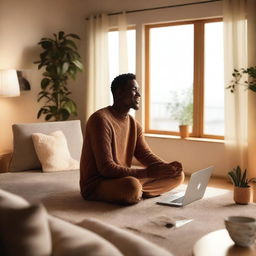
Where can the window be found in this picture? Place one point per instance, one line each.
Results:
(184, 77)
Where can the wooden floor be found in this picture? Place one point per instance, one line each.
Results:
(217, 182)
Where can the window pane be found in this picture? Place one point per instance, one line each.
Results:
(214, 79)
(171, 75)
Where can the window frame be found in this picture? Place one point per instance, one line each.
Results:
(198, 83)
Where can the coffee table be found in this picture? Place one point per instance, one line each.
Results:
(219, 243)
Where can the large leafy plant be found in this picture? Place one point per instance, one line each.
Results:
(61, 61)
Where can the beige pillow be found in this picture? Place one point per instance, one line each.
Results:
(53, 153)
(71, 240)
(129, 244)
(9, 200)
(25, 231)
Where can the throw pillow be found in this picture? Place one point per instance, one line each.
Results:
(71, 240)
(25, 231)
(24, 156)
(53, 153)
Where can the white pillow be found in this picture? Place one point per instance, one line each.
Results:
(53, 153)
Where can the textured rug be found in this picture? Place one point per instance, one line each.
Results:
(60, 194)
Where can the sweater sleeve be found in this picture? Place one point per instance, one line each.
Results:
(100, 134)
(142, 150)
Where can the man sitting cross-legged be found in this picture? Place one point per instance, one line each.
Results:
(112, 138)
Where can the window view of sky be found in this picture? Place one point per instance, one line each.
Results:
(171, 73)
(214, 79)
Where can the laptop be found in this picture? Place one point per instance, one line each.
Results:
(195, 189)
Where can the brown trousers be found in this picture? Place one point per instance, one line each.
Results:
(130, 190)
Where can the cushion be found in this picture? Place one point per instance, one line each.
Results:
(25, 231)
(129, 244)
(53, 153)
(9, 200)
(24, 155)
(69, 240)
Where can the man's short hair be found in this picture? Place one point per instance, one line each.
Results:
(121, 80)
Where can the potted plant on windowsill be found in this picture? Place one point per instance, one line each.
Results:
(242, 189)
(181, 110)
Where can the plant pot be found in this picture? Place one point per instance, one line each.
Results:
(242, 195)
(184, 131)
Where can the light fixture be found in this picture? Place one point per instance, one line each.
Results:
(9, 84)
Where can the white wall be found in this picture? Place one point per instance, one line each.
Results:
(23, 23)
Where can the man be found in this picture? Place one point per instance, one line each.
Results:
(112, 139)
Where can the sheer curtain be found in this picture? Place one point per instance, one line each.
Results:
(251, 18)
(240, 108)
(98, 83)
(235, 54)
(97, 86)
(123, 47)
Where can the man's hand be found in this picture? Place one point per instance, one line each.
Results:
(157, 170)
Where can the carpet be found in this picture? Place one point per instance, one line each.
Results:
(59, 192)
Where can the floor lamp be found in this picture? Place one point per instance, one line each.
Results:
(9, 87)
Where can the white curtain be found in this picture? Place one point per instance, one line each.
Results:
(123, 48)
(251, 18)
(97, 87)
(236, 114)
(98, 83)
(240, 108)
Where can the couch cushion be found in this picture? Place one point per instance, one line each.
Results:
(71, 240)
(9, 200)
(129, 244)
(24, 156)
(53, 153)
(24, 231)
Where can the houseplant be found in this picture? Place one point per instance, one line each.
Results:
(61, 61)
(239, 74)
(242, 189)
(181, 110)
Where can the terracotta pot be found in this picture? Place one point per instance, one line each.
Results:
(242, 195)
(184, 131)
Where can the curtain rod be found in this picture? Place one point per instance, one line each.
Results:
(164, 7)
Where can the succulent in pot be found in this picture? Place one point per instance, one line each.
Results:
(242, 188)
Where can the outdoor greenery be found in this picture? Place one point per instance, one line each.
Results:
(181, 107)
(239, 178)
(237, 76)
(61, 61)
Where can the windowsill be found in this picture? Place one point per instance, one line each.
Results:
(150, 135)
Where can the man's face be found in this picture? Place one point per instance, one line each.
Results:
(130, 96)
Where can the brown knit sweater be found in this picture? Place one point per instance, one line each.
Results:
(110, 143)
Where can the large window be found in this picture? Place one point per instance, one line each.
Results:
(184, 77)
